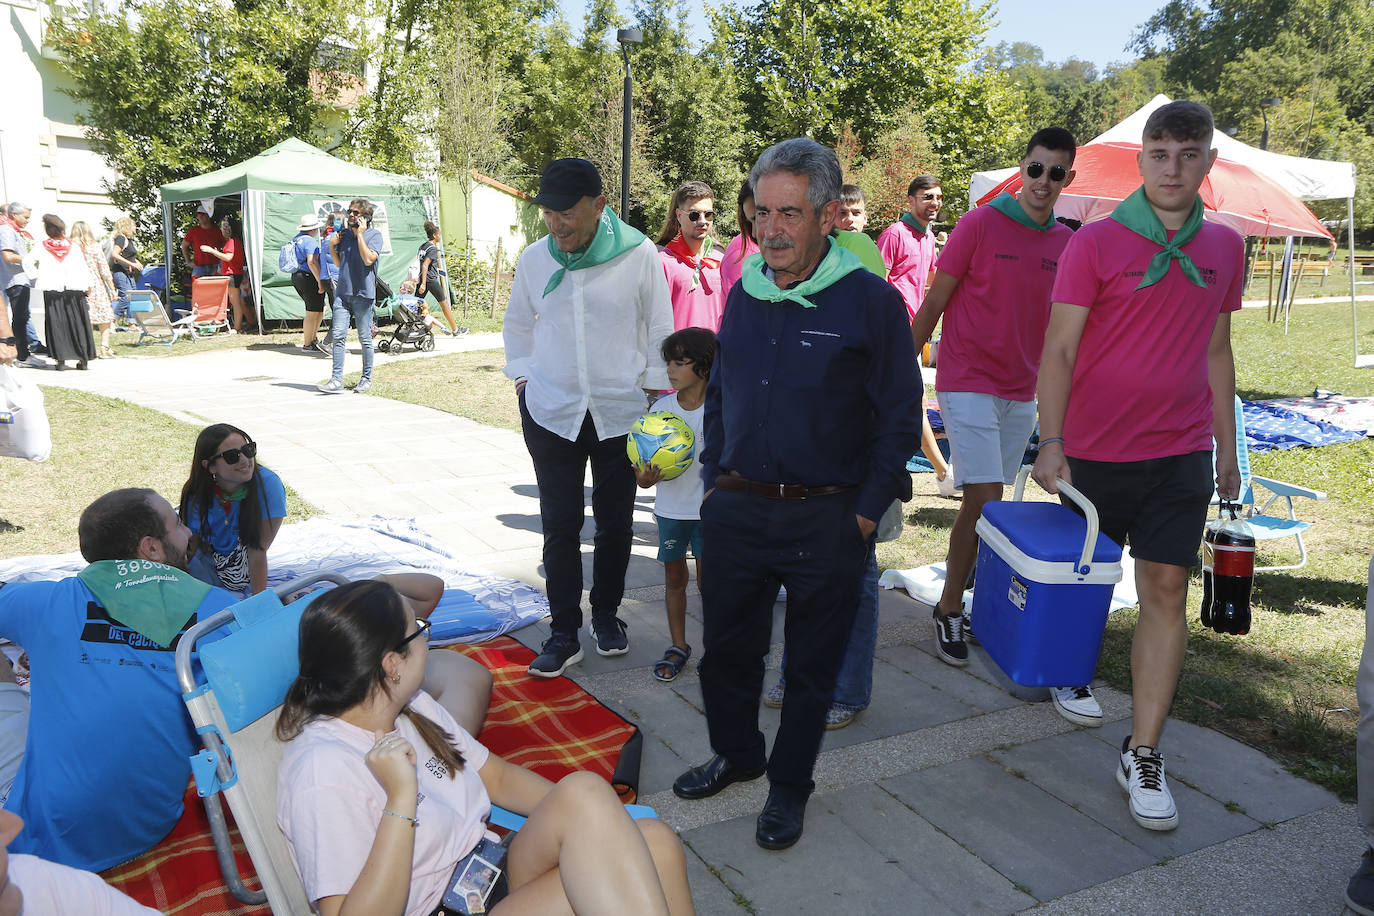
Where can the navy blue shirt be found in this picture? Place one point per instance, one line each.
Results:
(354, 277)
(824, 396)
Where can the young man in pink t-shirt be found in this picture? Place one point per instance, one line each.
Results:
(992, 288)
(908, 246)
(1136, 381)
(689, 261)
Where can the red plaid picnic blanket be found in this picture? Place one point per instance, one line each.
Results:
(552, 726)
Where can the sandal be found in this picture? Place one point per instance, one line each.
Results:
(671, 664)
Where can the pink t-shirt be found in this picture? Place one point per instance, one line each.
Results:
(329, 805)
(698, 301)
(732, 263)
(1140, 387)
(910, 259)
(52, 888)
(994, 324)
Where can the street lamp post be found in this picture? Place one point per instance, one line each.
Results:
(1265, 105)
(626, 37)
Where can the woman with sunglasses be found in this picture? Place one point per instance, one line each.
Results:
(686, 247)
(234, 508)
(383, 797)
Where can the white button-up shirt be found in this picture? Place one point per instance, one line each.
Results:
(593, 343)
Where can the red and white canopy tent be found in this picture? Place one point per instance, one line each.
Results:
(1254, 191)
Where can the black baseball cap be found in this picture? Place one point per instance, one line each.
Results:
(565, 182)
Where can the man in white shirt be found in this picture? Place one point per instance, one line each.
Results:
(588, 313)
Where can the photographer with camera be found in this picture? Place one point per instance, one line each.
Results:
(354, 252)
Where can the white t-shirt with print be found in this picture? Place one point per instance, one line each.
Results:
(681, 496)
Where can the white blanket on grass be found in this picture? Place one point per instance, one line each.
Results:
(356, 549)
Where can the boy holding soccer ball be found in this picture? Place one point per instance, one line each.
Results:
(677, 504)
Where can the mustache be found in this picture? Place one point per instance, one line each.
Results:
(779, 243)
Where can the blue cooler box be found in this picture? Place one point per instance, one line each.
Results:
(1041, 597)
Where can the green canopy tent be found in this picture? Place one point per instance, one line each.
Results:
(280, 185)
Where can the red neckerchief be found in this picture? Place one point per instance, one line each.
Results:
(678, 249)
(58, 248)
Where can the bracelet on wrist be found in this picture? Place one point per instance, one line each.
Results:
(1051, 440)
(9, 340)
(414, 822)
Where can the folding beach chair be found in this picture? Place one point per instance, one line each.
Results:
(209, 307)
(245, 678)
(152, 318)
(1264, 526)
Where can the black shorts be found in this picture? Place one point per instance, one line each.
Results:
(435, 288)
(308, 290)
(1159, 505)
(235, 280)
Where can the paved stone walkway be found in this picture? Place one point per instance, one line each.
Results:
(951, 794)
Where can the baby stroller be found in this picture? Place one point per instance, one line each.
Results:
(411, 327)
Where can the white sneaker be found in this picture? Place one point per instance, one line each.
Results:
(34, 362)
(1078, 705)
(1141, 777)
(946, 486)
(333, 386)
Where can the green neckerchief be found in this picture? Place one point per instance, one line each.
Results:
(1136, 214)
(838, 262)
(149, 598)
(1009, 206)
(911, 221)
(613, 238)
(235, 496)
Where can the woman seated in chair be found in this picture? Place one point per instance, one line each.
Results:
(234, 508)
(373, 830)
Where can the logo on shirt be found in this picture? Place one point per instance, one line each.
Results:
(1209, 275)
(437, 767)
(1006, 257)
(821, 333)
(101, 628)
(1050, 264)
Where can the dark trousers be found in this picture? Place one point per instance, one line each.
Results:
(750, 545)
(19, 317)
(559, 468)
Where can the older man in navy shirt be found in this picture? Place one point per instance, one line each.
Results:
(813, 408)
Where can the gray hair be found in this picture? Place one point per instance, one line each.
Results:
(16, 207)
(803, 156)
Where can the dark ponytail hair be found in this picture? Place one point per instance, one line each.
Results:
(199, 491)
(344, 635)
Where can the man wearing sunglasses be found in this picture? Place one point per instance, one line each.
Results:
(1136, 382)
(908, 245)
(992, 288)
(588, 313)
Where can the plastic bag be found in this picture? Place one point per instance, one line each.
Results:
(24, 430)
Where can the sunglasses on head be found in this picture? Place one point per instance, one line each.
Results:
(421, 629)
(1057, 172)
(698, 215)
(232, 455)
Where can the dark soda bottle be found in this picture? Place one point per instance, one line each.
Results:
(1228, 570)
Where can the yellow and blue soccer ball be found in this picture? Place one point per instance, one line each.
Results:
(663, 440)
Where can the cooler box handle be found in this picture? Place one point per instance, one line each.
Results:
(1089, 513)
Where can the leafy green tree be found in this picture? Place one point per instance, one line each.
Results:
(170, 90)
(890, 162)
(805, 68)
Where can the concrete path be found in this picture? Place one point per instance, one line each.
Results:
(953, 793)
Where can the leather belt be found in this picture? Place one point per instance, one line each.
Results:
(732, 483)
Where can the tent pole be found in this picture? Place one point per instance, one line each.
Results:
(1361, 361)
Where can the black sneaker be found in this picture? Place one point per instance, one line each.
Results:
(555, 655)
(1359, 893)
(609, 633)
(949, 639)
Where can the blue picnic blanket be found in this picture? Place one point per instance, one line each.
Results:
(1269, 427)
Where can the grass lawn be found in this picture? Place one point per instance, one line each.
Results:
(99, 444)
(1288, 687)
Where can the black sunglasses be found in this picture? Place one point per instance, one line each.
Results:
(421, 629)
(1057, 172)
(231, 455)
(698, 215)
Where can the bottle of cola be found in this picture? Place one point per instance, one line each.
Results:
(1228, 570)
